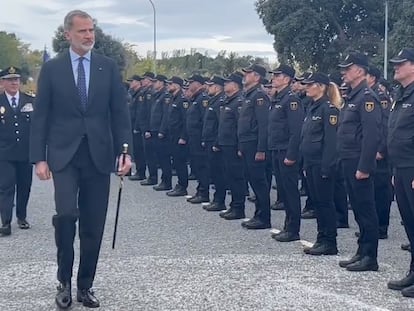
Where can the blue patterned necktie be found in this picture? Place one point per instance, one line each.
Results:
(14, 103)
(81, 83)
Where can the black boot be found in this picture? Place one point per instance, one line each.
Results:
(87, 298)
(407, 281)
(178, 191)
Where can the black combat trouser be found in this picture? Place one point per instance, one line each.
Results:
(404, 193)
(15, 181)
(321, 191)
(340, 196)
(163, 150)
(288, 178)
(361, 193)
(179, 157)
(258, 180)
(198, 156)
(234, 172)
(139, 154)
(152, 156)
(383, 194)
(216, 172)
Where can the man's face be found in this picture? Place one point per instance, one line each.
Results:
(249, 78)
(403, 71)
(279, 81)
(351, 74)
(11, 85)
(135, 85)
(82, 35)
(194, 86)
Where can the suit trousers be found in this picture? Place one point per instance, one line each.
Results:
(139, 154)
(405, 201)
(15, 181)
(81, 193)
(361, 194)
(288, 178)
(258, 180)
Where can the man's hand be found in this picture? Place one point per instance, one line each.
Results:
(203, 144)
(182, 141)
(160, 135)
(124, 166)
(379, 156)
(239, 153)
(147, 135)
(412, 185)
(42, 170)
(260, 156)
(288, 162)
(360, 175)
(215, 149)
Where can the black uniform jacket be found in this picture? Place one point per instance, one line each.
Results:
(15, 128)
(59, 123)
(158, 108)
(285, 123)
(252, 125)
(211, 119)
(229, 116)
(318, 145)
(177, 114)
(359, 128)
(195, 115)
(401, 129)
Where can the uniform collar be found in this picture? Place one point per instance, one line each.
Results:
(282, 93)
(253, 88)
(405, 92)
(362, 85)
(9, 97)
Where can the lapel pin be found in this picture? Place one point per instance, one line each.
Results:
(100, 68)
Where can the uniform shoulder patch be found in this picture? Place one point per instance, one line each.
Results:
(369, 106)
(205, 103)
(260, 101)
(384, 104)
(294, 106)
(333, 119)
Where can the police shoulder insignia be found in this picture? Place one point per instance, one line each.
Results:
(369, 106)
(260, 101)
(384, 104)
(185, 105)
(2, 110)
(333, 119)
(294, 106)
(205, 103)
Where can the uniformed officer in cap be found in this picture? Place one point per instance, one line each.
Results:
(198, 154)
(177, 133)
(285, 123)
(358, 137)
(252, 136)
(135, 90)
(16, 172)
(209, 139)
(382, 177)
(401, 154)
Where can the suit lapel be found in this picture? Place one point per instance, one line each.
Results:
(95, 69)
(68, 78)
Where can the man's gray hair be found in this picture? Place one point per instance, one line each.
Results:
(68, 21)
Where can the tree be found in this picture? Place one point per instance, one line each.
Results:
(10, 54)
(104, 44)
(317, 33)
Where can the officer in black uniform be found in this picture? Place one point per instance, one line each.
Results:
(209, 139)
(252, 136)
(135, 90)
(400, 144)
(177, 133)
(382, 177)
(198, 154)
(285, 124)
(358, 137)
(158, 119)
(142, 124)
(318, 147)
(16, 172)
(228, 145)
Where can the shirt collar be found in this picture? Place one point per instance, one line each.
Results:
(9, 97)
(75, 56)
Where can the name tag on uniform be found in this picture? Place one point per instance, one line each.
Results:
(316, 118)
(194, 103)
(27, 108)
(405, 106)
(174, 105)
(278, 106)
(211, 109)
(351, 105)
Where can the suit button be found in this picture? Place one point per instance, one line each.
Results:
(16, 124)
(15, 116)
(17, 139)
(17, 132)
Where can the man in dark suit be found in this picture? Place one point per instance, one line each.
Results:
(81, 121)
(16, 170)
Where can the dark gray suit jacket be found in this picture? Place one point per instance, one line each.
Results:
(59, 122)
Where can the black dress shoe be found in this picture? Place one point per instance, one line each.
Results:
(286, 236)
(322, 249)
(252, 198)
(136, 177)
(408, 291)
(162, 187)
(234, 214)
(407, 281)
(5, 230)
(149, 182)
(308, 214)
(406, 247)
(278, 206)
(23, 224)
(255, 224)
(223, 213)
(63, 297)
(307, 248)
(177, 192)
(364, 264)
(198, 199)
(215, 207)
(86, 296)
(345, 263)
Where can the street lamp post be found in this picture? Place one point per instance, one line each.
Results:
(386, 41)
(155, 38)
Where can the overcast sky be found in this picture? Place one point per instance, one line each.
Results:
(212, 25)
